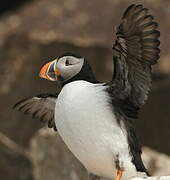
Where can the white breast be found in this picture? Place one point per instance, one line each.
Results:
(87, 125)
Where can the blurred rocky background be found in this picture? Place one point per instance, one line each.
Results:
(33, 32)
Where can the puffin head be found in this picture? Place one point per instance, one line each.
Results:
(66, 68)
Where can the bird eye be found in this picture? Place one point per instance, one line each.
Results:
(67, 62)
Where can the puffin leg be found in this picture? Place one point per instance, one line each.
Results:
(119, 174)
(119, 168)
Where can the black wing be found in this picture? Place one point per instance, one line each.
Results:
(41, 107)
(135, 50)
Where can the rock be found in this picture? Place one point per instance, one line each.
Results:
(157, 163)
(152, 178)
(14, 166)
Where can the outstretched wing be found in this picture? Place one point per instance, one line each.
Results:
(135, 50)
(41, 107)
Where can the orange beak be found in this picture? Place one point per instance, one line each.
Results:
(49, 72)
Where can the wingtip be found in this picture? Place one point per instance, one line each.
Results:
(132, 8)
(128, 9)
(16, 105)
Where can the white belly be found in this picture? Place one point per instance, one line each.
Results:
(85, 122)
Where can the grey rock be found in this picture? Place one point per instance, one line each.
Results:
(13, 165)
(157, 163)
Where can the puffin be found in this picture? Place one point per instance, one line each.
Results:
(96, 119)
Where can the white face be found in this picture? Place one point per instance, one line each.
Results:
(62, 69)
(69, 66)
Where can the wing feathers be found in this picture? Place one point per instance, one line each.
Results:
(136, 48)
(41, 107)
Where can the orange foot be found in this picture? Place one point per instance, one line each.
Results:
(118, 175)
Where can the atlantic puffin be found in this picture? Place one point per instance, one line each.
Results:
(96, 119)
